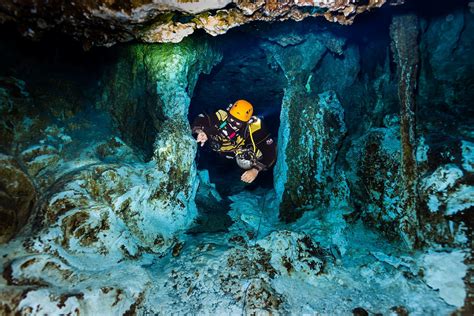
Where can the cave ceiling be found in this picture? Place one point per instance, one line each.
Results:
(107, 22)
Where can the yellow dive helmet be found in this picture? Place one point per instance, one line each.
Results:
(241, 110)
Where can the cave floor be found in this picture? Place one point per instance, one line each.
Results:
(225, 272)
(252, 265)
(261, 266)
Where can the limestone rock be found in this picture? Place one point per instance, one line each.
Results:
(447, 190)
(297, 61)
(115, 150)
(327, 79)
(90, 209)
(20, 123)
(374, 179)
(168, 74)
(316, 127)
(286, 246)
(108, 22)
(244, 276)
(17, 197)
(446, 75)
(312, 125)
(104, 203)
(38, 158)
(44, 284)
(445, 272)
(375, 185)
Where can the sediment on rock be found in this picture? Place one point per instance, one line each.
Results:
(105, 23)
(310, 123)
(404, 33)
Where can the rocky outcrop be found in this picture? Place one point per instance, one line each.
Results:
(448, 190)
(108, 22)
(404, 32)
(243, 277)
(100, 206)
(45, 284)
(377, 188)
(17, 197)
(312, 126)
(160, 87)
(375, 179)
(446, 43)
(318, 129)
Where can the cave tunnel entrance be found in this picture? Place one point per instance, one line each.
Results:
(244, 73)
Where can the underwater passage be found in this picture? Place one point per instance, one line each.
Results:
(237, 157)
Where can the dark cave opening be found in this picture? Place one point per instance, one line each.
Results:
(244, 73)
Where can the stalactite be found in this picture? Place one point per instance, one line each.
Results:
(404, 32)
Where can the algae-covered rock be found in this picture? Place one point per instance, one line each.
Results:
(45, 284)
(39, 158)
(111, 213)
(375, 176)
(152, 83)
(376, 188)
(17, 197)
(312, 125)
(109, 205)
(448, 190)
(244, 277)
(315, 133)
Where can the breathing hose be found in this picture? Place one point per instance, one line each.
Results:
(251, 138)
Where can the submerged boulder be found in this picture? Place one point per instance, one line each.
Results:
(112, 212)
(17, 198)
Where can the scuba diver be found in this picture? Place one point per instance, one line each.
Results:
(236, 134)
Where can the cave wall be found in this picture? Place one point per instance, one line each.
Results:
(403, 138)
(82, 199)
(416, 155)
(106, 23)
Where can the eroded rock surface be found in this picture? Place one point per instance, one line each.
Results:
(377, 189)
(108, 22)
(101, 207)
(312, 125)
(17, 197)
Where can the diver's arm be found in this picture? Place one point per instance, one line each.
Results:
(201, 123)
(267, 146)
(205, 123)
(204, 126)
(268, 149)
